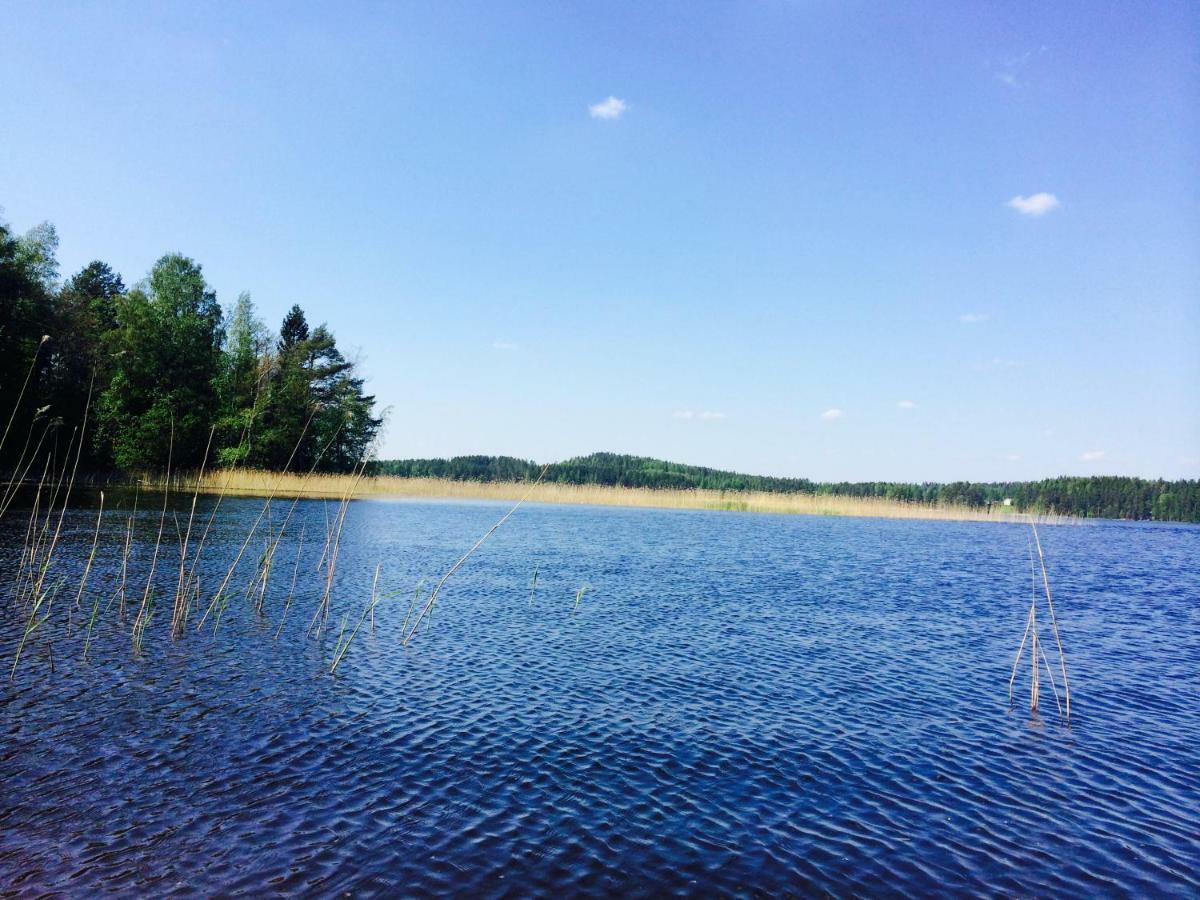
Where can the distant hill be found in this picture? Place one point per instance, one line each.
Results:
(1102, 497)
(598, 468)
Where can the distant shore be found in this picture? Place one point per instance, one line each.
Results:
(253, 483)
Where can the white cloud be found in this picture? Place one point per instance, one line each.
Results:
(832, 415)
(1010, 70)
(906, 404)
(973, 318)
(501, 344)
(1013, 457)
(705, 416)
(999, 362)
(612, 108)
(1034, 204)
(1091, 455)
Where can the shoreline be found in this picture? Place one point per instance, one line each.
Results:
(252, 483)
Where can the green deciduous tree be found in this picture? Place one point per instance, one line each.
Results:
(245, 367)
(37, 253)
(161, 361)
(167, 365)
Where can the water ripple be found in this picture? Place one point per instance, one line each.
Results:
(742, 705)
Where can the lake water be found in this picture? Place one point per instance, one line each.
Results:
(741, 704)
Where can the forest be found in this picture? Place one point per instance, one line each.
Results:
(1107, 497)
(139, 378)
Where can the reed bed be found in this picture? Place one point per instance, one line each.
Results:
(39, 577)
(248, 482)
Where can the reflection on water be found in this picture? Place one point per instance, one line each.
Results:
(741, 704)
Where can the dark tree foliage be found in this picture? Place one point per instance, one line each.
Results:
(315, 414)
(162, 399)
(283, 438)
(343, 426)
(26, 315)
(1109, 497)
(598, 468)
(1104, 497)
(85, 318)
(158, 373)
(294, 330)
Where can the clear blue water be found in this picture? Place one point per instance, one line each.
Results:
(743, 704)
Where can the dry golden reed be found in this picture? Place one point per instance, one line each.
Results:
(1037, 652)
(249, 482)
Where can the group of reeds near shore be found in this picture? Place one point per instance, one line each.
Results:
(38, 585)
(51, 474)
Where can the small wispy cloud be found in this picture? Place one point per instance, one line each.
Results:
(612, 108)
(706, 415)
(501, 344)
(832, 415)
(906, 404)
(1034, 204)
(1013, 457)
(1011, 71)
(1091, 455)
(973, 318)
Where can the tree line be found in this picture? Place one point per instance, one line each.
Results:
(1089, 497)
(159, 373)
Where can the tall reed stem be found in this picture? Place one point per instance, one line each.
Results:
(454, 568)
(182, 601)
(143, 616)
(1037, 653)
(342, 646)
(24, 385)
(217, 599)
(92, 555)
(1062, 660)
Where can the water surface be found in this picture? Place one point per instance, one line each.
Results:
(742, 704)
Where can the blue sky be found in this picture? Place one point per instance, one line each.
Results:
(829, 239)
